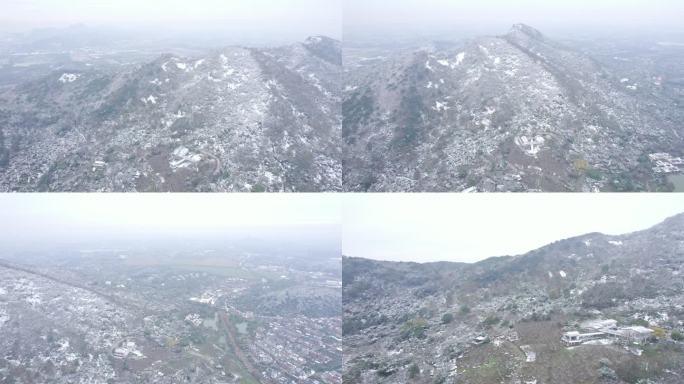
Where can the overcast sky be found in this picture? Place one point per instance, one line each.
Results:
(299, 18)
(498, 15)
(472, 227)
(41, 216)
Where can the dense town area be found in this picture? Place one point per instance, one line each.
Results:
(125, 317)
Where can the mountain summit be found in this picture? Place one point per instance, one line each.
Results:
(526, 30)
(238, 119)
(517, 112)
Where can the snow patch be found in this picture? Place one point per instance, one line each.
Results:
(149, 100)
(530, 355)
(224, 60)
(69, 77)
(194, 319)
(440, 106)
(428, 67)
(562, 273)
(183, 158)
(459, 58)
(530, 145)
(4, 317)
(452, 64)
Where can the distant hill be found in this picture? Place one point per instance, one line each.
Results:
(400, 314)
(517, 112)
(240, 119)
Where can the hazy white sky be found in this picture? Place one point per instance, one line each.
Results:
(406, 227)
(303, 17)
(472, 227)
(439, 15)
(40, 214)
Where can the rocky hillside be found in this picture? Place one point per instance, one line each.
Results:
(517, 112)
(239, 119)
(409, 322)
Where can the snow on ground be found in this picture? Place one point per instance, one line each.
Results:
(459, 58)
(615, 242)
(168, 122)
(182, 66)
(454, 64)
(34, 299)
(317, 83)
(194, 319)
(4, 317)
(69, 77)
(486, 122)
(183, 158)
(213, 79)
(530, 145)
(530, 355)
(149, 100)
(98, 164)
(428, 67)
(440, 106)
(562, 273)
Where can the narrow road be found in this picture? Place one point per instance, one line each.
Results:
(111, 298)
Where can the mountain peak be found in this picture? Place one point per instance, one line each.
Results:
(526, 30)
(326, 48)
(319, 39)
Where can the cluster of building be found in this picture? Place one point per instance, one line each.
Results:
(606, 329)
(127, 349)
(665, 163)
(303, 349)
